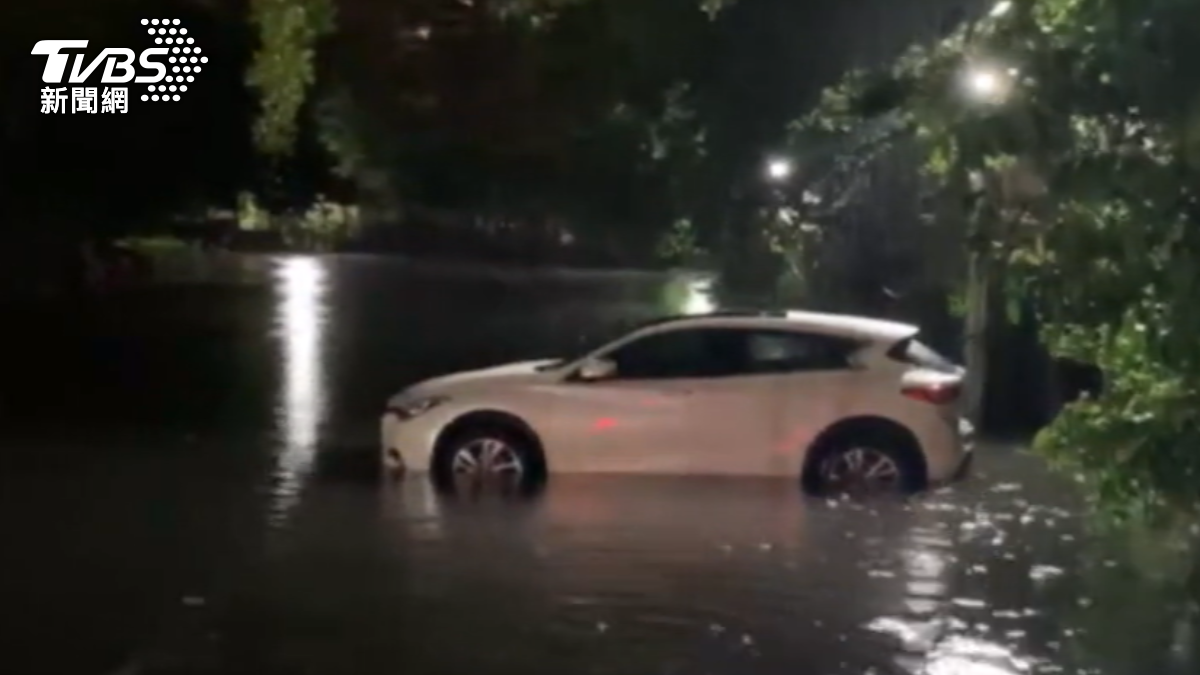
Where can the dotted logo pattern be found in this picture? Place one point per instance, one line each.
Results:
(185, 59)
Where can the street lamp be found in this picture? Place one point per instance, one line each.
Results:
(983, 82)
(779, 169)
(988, 84)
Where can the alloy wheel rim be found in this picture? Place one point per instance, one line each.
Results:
(487, 460)
(861, 470)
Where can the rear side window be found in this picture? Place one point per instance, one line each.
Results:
(787, 352)
(916, 353)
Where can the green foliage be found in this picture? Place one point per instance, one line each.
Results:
(341, 129)
(957, 304)
(1134, 447)
(679, 244)
(284, 66)
(1077, 170)
(325, 225)
(538, 13)
(792, 234)
(582, 115)
(250, 215)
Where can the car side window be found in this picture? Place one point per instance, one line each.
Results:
(688, 353)
(786, 352)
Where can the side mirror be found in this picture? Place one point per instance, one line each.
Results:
(597, 369)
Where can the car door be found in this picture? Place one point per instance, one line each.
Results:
(640, 418)
(773, 392)
(812, 384)
(731, 412)
(681, 401)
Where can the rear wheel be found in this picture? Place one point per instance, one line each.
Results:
(487, 459)
(864, 465)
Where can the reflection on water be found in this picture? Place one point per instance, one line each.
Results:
(684, 576)
(300, 288)
(930, 632)
(625, 576)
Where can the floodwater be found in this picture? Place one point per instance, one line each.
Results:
(183, 491)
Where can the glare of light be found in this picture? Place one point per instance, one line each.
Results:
(779, 169)
(300, 287)
(988, 83)
(965, 655)
(1001, 8)
(935, 639)
(985, 82)
(699, 298)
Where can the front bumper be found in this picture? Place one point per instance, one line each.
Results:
(406, 445)
(393, 461)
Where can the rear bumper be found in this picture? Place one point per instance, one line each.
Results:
(961, 472)
(966, 461)
(949, 451)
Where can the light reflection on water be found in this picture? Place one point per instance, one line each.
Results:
(931, 633)
(703, 574)
(626, 576)
(300, 323)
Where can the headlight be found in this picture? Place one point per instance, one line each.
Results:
(410, 409)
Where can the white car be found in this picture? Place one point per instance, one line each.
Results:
(841, 403)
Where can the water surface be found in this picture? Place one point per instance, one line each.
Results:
(183, 492)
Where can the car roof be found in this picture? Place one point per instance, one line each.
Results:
(845, 325)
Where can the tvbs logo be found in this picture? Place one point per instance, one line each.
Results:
(118, 63)
(165, 69)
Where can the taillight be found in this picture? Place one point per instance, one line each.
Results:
(937, 394)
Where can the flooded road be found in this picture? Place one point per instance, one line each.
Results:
(185, 493)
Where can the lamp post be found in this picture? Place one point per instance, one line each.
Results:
(990, 84)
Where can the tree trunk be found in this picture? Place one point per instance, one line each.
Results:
(978, 297)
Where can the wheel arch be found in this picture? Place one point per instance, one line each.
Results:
(864, 426)
(493, 418)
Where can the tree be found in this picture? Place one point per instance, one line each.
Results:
(283, 69)
(1064, 135)
(576, 112)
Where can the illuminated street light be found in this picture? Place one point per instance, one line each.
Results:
(779, 169)
(989, 84)
(984, 82)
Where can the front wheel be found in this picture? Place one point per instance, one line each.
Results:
(487, 459)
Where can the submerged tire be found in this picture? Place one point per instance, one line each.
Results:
(487, 458)
(865, 464)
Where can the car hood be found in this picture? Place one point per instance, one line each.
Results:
(511, 373)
